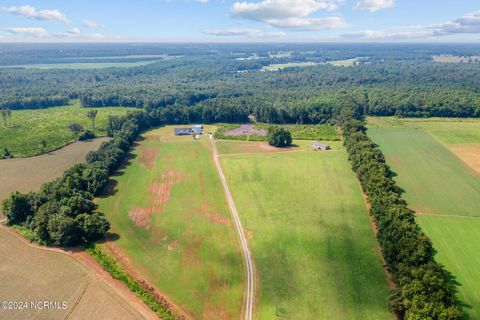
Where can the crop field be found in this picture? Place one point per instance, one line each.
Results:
(437, 166)
(174, 228)
(26, 128)
(28, 174)
(434, 179)
(311, 237)
(457, 241)
(29, 274)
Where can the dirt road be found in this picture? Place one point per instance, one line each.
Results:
(250, 289)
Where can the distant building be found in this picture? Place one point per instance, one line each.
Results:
(319, 146)
(182, 131)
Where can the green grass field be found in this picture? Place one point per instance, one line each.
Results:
(457, 240)
(434, 179)
(26, 128)
(169, 210)
(310, 233)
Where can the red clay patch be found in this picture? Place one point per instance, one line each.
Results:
(213, 217)
(159, 195)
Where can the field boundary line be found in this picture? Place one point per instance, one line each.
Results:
(444, 215)
(250, 270)
(77, 301)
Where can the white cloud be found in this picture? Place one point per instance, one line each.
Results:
(201, 1)
(290, 14)
(466, 24)
(250, 33)
(74, 31)
(309, 24)
(31, 12)
(90, 24)
(98, 36)
(34, 32)
(385, 35)
(374, 5)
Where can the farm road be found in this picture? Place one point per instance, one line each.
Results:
(250, 290)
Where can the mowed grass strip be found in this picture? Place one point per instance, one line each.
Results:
(434, 179)
(169, 211)
(456, 240)
(26, 128)
(310, 233)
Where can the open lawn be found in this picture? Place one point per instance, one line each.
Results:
(28, 273)
(313, 245)
(438, 181)
(27, 127)
(434, 179)
(168, 209)
(457, 240)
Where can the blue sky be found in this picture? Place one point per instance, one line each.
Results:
(243, 20)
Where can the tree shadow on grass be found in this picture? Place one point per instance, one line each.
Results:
(111, 186)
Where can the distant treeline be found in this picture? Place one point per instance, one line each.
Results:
(424, 288)
(413, 88)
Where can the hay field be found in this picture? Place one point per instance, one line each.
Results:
(168, 209)
(26, 128)
(315, 252)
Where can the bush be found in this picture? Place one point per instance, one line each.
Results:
(86, 135)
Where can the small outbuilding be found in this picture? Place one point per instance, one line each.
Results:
(319, 146)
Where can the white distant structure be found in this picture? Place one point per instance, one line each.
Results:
(197, 129)
(319, 146)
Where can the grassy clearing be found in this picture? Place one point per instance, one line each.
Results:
(83, 65)
(435, 181)
(310, 234)
(457, 241)
(174, 227)
(28, 174)
(280, 66)
(32, 274)
(27, 127)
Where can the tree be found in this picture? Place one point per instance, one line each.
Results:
(6, 113)
(75, 128)
(43, 144)
(94, 226)
(92, 114)
(279, 137)
(63, 230)
(16, 208)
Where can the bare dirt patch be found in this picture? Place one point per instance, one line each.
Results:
(245, 129)
(469, 153)
(147, 156)
(159, 195)
(30, 272)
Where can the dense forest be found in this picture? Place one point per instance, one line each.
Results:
(388, 80)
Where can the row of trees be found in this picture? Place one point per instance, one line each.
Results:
(424, 288)
(63, 213)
